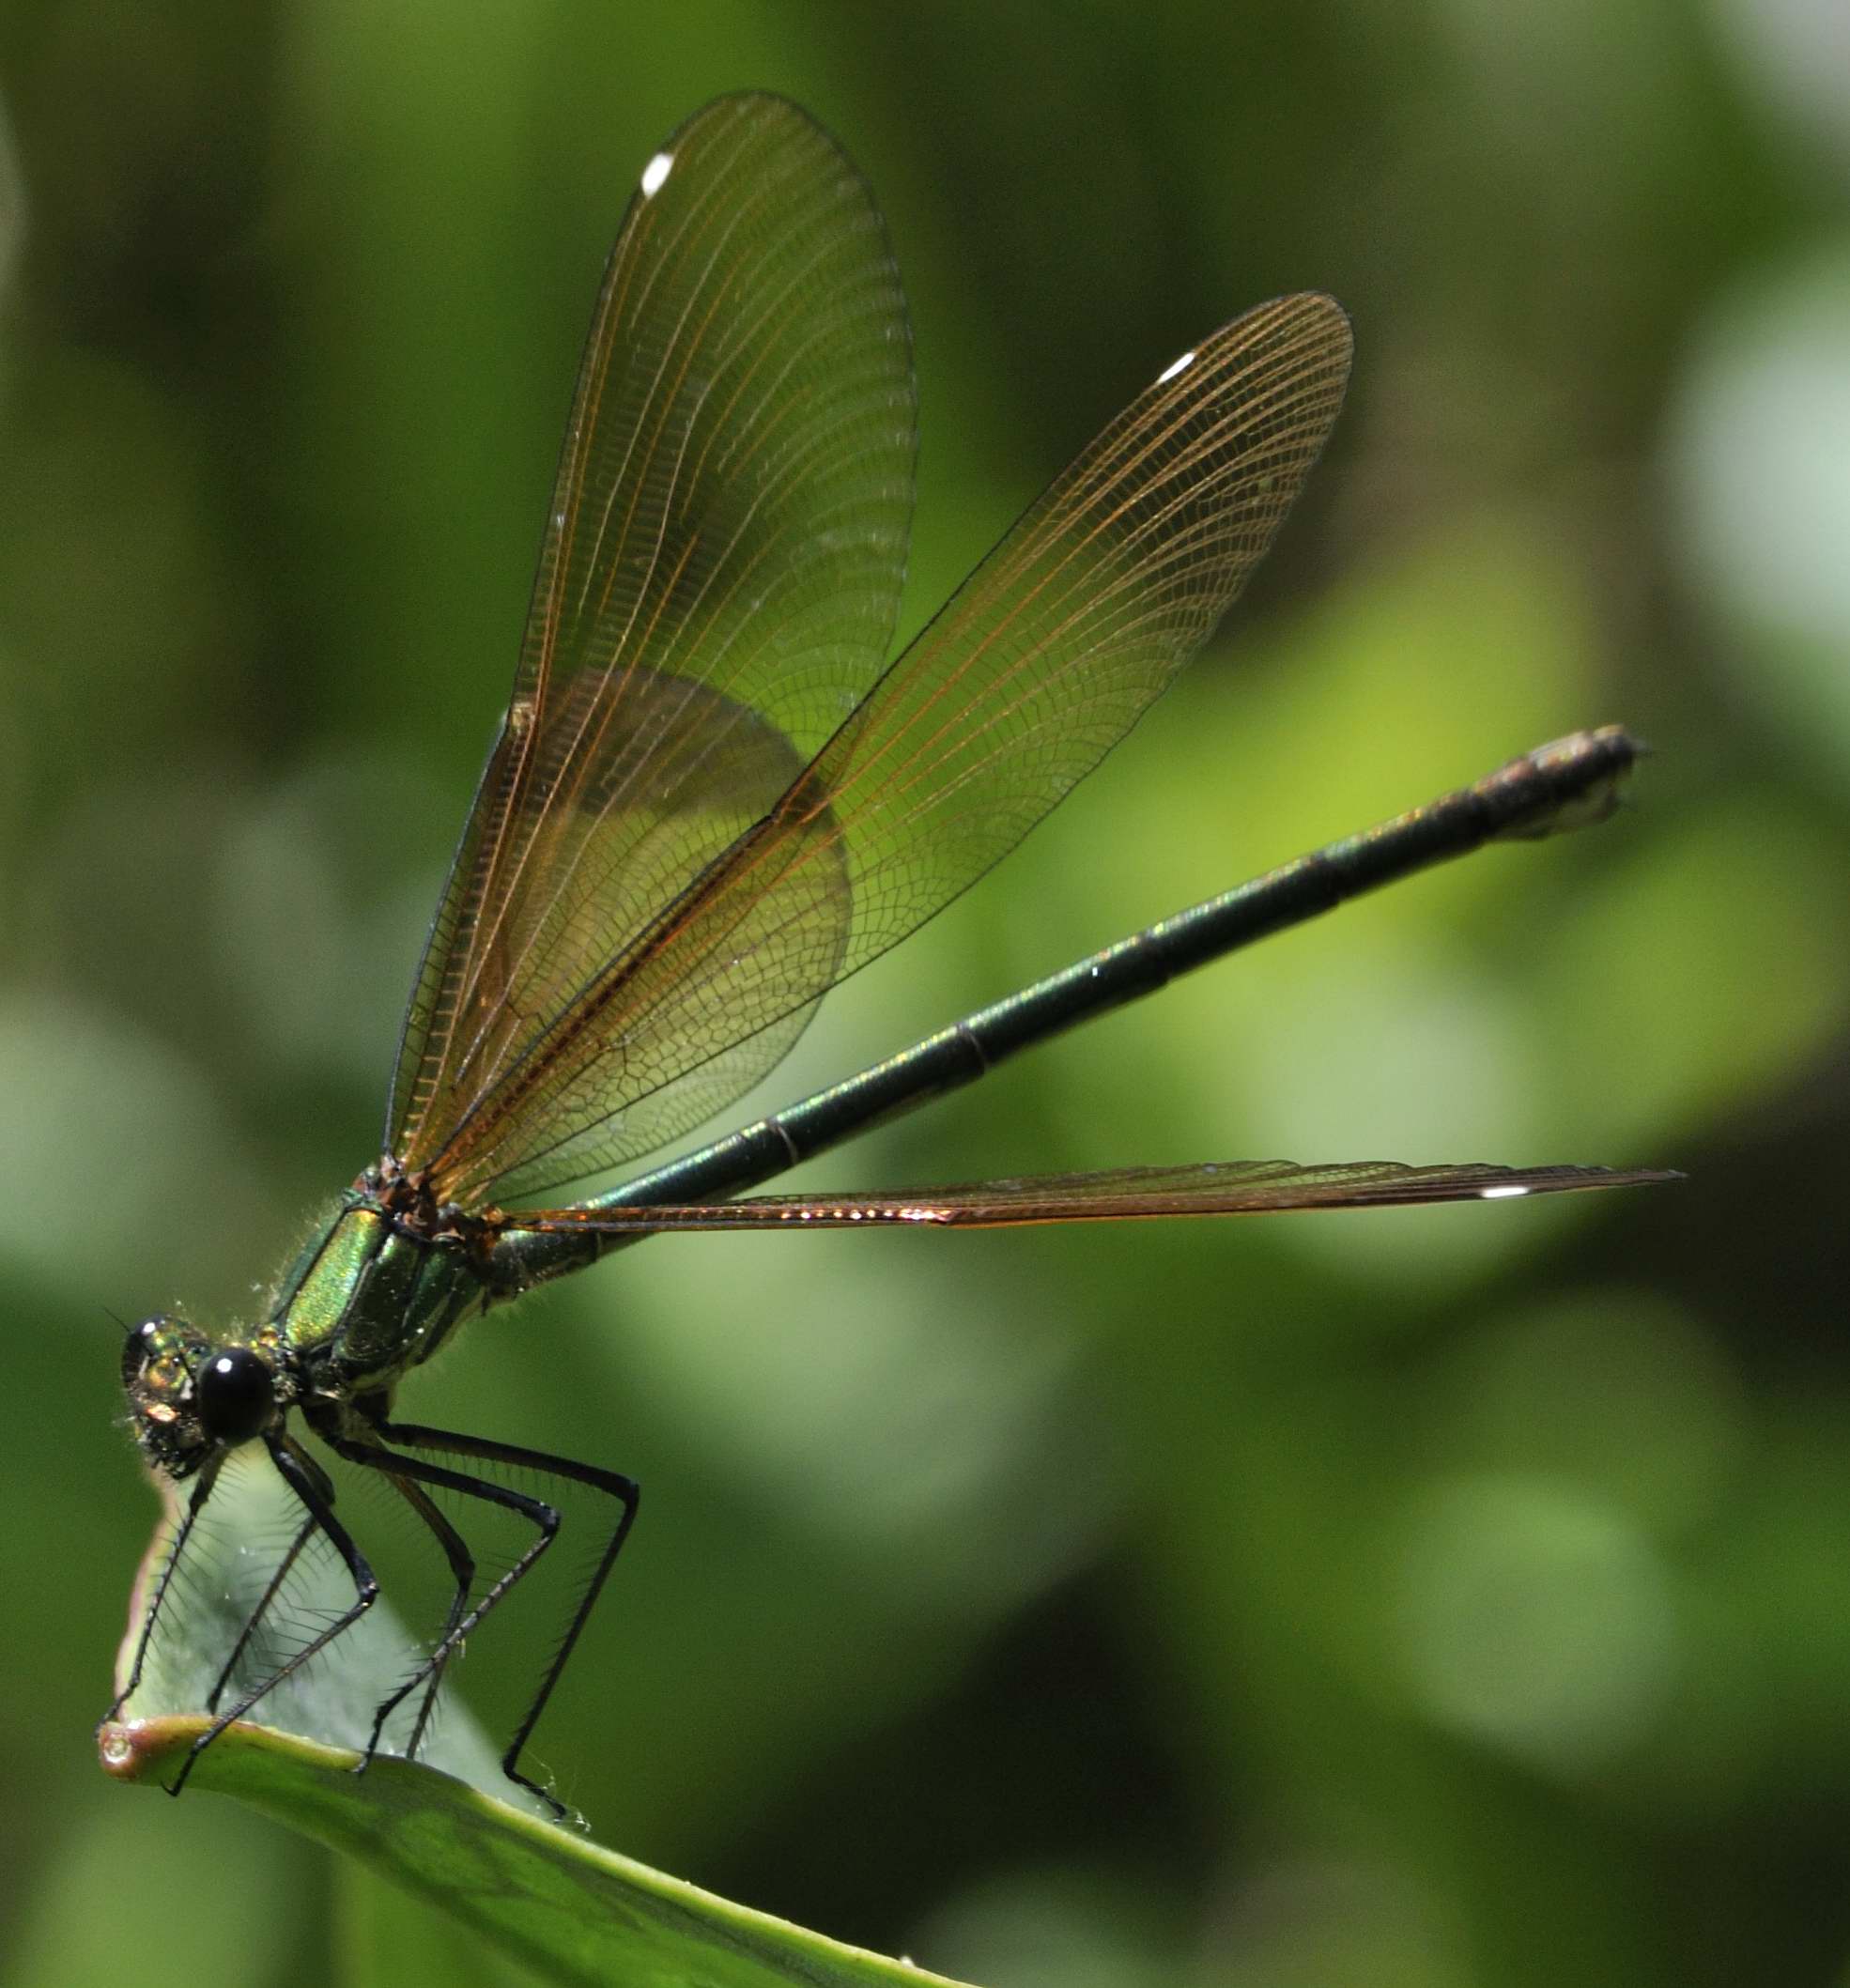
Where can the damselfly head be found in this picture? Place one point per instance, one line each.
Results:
(189, 1396)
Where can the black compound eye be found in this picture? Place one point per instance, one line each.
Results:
(234, 1394)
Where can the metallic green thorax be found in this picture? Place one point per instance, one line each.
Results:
(365, 1301)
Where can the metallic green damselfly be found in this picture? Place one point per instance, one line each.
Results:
(711, 798)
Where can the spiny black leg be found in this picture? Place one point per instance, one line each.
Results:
(195, 1505)
(610, 1483)
(539, 1515)
(272, 1589)
(462, 1569)
(310, 1484)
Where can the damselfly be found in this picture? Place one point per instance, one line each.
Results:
(711, 799)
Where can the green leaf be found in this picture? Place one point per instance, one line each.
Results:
(576, 1913)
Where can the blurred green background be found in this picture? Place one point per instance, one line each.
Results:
(1424, 1598)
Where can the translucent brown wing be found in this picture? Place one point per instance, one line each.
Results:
(718, 586)
(1233, 1187)
(1039, 665)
